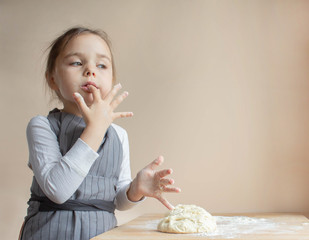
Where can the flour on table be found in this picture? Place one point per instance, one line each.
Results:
(188, 219)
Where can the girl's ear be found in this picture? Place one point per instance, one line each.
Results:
(51, 81)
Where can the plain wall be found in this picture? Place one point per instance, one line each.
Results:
(219, 88)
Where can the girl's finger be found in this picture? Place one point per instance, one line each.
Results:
(118, 100)
(155, 163)
(122, 115)
(171, 189)
(164, 173)
(80, 102)
(165, 181)
(165, 202)
(112, 93)
(95, 92)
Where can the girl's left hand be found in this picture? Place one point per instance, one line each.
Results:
(152, 183)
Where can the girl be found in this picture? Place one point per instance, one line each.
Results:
(79, 157)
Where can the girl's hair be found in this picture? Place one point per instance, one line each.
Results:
(58, 45)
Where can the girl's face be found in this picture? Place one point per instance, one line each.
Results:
(85, 60)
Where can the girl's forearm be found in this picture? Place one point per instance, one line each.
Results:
(59, 176)
(93, 135)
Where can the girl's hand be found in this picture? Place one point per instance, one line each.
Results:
(100, 114)
(101, 111)
(152, 183)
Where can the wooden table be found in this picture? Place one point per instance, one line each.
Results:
(229, 226)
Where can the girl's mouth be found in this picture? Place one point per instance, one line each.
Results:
(85, 87)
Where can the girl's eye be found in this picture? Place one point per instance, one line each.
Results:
(102, 66)
(76, 64)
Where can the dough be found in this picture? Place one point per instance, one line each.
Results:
(188, 219)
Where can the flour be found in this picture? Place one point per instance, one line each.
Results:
(232, 227)
(237, 226)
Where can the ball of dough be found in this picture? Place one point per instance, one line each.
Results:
(188, 219)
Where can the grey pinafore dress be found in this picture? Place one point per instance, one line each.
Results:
(100, 183)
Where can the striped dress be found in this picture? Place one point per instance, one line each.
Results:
(99, 183)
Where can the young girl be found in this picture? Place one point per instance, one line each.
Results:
(79, 157)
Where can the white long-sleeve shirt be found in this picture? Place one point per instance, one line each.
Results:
(60, 176)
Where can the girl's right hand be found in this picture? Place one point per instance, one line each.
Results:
(102, 109)
(100, 114)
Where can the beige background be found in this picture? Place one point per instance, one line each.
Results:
(220, 88)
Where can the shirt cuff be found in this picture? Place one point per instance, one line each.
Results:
(81, 157)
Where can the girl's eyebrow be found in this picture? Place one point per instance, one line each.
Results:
(103, 56)
(80, 55)
(73, 54)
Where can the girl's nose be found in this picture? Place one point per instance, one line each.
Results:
(90, 73)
